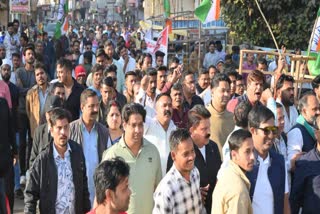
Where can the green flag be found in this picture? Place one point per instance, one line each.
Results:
(208, 10)
(166, 6)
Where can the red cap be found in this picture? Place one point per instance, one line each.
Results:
(80, 71)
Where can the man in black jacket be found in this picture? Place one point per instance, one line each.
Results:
(208, 158)
(58, 175)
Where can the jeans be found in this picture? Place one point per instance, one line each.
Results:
(25, 142)
(17, 168)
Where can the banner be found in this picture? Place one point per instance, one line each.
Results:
(20, 6)
(160, 45)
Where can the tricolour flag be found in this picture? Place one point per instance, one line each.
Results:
(166, 6)
(314, 66)
(208, 10)
(61, 28)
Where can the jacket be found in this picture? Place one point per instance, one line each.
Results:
(72, 104)
(305, 191)
(42, 184)
(103, 135)
(208, 169)
(33, 108)
(41, 139)
(231, 194)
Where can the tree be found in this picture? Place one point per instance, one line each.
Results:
(290, 20)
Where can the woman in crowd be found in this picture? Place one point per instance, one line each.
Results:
(114, 122)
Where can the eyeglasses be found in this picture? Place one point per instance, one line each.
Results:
(269, 129)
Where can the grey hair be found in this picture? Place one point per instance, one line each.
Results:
(303, 102)
(177, 136)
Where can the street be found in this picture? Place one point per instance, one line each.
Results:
(18, 206)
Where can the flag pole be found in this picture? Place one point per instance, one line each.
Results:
(199, 52)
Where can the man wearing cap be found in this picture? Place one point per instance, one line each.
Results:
(80, 73)
(8, 63)
(4, 88)
(42, 136)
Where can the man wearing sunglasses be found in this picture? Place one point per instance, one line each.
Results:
(301, 138)
(269, 182)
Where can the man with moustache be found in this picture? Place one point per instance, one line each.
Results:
(25, 80)
(221, 120)
(207, 158)
(269, 180)
(285, 96)
(58, 176)
(189, 91)
(36, 97)
(148, 90)
(203, 81)
(130, 80)
(142, 157)
(231, 194)
(90, 134)
(179, 111)
(126, 61)
(301, 138)
(179, 190)
(158, 129)
(161, 77)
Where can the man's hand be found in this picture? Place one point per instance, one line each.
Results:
(204, 193)
(266, 94)
(176, 75)
(145, 82)
(294, 158)
(15, 159)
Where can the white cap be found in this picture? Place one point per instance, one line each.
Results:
(6, 62)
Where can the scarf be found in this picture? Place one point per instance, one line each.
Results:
(307, 125)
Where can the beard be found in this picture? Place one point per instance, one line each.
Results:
(5, 77)
(286, 98)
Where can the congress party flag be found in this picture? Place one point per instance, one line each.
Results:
(208, 10)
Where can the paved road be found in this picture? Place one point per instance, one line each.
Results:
(18, 206)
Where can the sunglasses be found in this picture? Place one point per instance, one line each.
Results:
(269, 129)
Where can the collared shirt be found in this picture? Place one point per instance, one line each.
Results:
(180, 121)
(42, 98)
(131, 66)
(210, 59)
(90, 150)
(262, 201)
(175, 194)
(289, 122)
(65, 200)
(145, 100)
(155, 134)
(145, 173)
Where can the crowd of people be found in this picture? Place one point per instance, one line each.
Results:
(93, 123)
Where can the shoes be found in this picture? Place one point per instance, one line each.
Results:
(22, 180)
(19, 194)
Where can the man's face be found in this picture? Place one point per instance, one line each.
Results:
(263, 141)
(29, 57)
(2, 53)
(159, 60)
(101, 60)
(254, 90)
(90, 108)
(239, 87)
(161, 79)
(76, 48)
(262, 67)
(211, 48)
(134, 128)
(109, 50)
(130, 81)
(81, 79)
(287, 93)
(212, 73)
(121, 196)
(280, 120)
(15, 27)
(164, 109)
(177, 98)
(39, 48)
(41, 76)
(233, 84)
(60, 133)
(204, 81)
(189, 85)
(22, 41)
(107, 93)
(88, 47)
(124, 53)
(152, 85)
(97, 77)
(221, 94)
(183, 156)
(244, 157)
(147, 63)
(10, 30)
(311, 111)
(60, 92)
(200, 133)
(250, 57)
(62, 74)
(5, 72)
(113, 75)
(16, 62)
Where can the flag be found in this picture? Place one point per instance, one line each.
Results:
(166, 6)
(314, 66)
(208, 10)
(61, 28)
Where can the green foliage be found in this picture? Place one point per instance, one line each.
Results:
(291, 21)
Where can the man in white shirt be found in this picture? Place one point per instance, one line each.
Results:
(269, 181)
(128, 63)
(211, 58)
(158, 129)
(285, 96)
